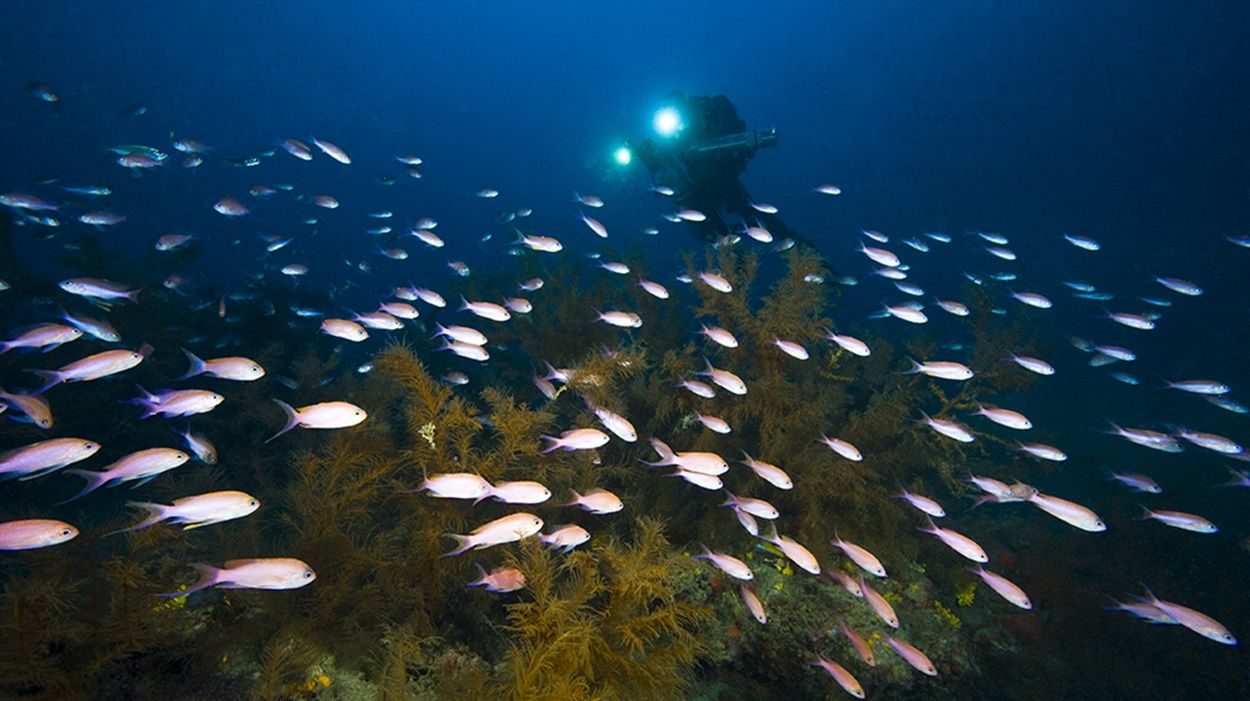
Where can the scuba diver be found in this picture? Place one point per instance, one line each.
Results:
(701, 152)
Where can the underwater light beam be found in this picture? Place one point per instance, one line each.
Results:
(667, 121)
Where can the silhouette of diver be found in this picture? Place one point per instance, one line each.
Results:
(703, 159)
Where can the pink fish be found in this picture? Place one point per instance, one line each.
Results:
(861, 646)
(596, 226)
(1196, 621)
(922, 503)
(230, 207)
(500, 580)
(523, 492)
(32, 533)
(333, 151)
(35, 410)
(844, 678)
(692, 461)
(139, 467)
(177, 402)
(93, 367)
(755, 507)
(847, 582)
(728, 564)
(195, 511)
(97, 288)
(912, 656)
(298, 149)
(958, 542)
(257, 573)
(577, 439)
(1004, 587)
(860, 556)
(753, 603)
(325, 415)
(38, 459)
(229, 368)
(597, 501)
(456, 485)
(794, 551)
(44, 336)
(565, 538)
(508, 529)
(879, 605)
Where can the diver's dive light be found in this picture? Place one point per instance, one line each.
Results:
(667, 121)
(623, 156)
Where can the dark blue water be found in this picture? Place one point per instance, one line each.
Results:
(1119, 121)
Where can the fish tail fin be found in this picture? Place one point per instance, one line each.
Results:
(292, 419)
(1116, 605)
(51, 378)
(774, 536)
(1116, 429)
(464, 543)
(661, 448)
(5, 346)
(147, 399)
(486, 495)
(1146, 513)
(208, 577)
(95, 480)
(197, 365)
(1239, 478)
(577, 498)
(481, 575)
(552, 373)
(555, 443)
(984, 499)
(133, 295)
(155, 514)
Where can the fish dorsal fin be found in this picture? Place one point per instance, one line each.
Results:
(232, 564)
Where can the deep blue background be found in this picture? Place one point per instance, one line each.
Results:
(1119, 119)
(1125, 121)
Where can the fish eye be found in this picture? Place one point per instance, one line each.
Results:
(87, 445)
(253, 502)
(308, 574)
(255, 368)
(66, 532)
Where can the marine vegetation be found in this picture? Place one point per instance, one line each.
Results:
(627, 616)
(604, 623)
